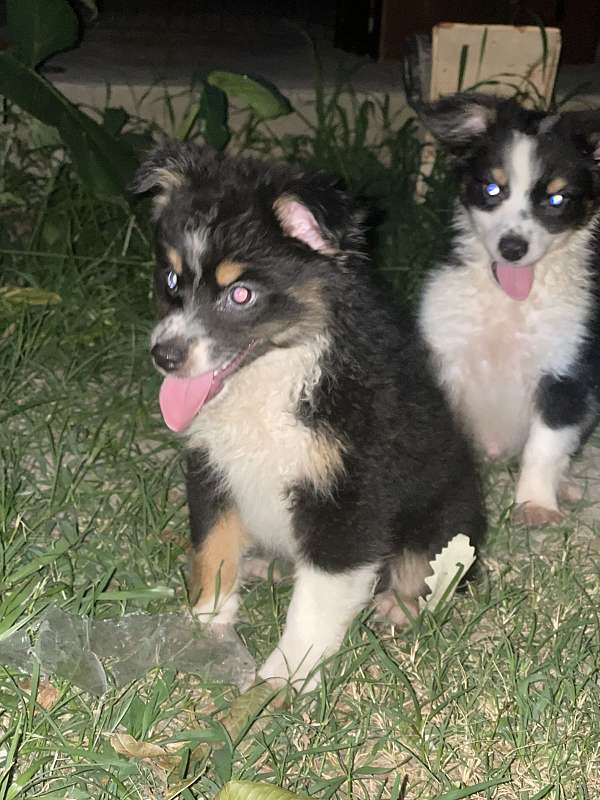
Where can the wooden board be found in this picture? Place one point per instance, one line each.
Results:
(494, 58)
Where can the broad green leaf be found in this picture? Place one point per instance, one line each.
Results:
(114, 119)
(246, 790)
(40, 28)
(105, 164)
(213, 110)
(41, 135)
(266, 101)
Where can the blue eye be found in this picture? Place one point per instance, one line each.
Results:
(171, 280)
(556, 199)
(492, 189)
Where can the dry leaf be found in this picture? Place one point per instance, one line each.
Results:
(47, 695)
(126, 745)
(244, 709)
(458, 554)
(28, 295)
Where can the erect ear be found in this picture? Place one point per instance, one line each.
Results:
(299, 222)
(321, 216)
(167, 168)
(460, 119)
(584, 129)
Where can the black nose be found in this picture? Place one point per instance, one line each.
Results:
(512, 247)
(169, 355)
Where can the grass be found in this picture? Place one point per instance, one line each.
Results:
(498, 694)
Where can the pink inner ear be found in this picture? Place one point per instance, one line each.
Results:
(297, 221)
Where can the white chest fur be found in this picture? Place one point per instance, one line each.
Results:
(259, 446)
(492, 350)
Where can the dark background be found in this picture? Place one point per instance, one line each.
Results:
(374, 27)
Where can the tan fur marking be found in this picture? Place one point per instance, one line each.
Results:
(325, 462)
(556, 185)
(228, 271)
(499, 176)
(216, 562)
(175, 260)
(168, 181)
(409, 573)
(313, 319)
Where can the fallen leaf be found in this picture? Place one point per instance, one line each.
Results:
(28, 295)
(47, 695)
(154, 754)
(244, 710)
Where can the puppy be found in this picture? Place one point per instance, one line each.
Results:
(513, 316)
(311, 423)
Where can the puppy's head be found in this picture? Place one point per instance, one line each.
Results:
(527, 179)
(246, 257)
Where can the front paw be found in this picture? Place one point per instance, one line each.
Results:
(534, 516)
(388, 608)
(225, 614)
(278, 672)
(570, 492)
(275, 670)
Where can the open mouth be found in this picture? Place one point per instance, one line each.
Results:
(516, 282)
(182, 398)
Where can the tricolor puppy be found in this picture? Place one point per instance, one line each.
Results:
(312, 426)
(513, 317)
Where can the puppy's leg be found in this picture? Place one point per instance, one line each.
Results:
(400, 603)
(323, 605)
(544, 462)
(218, 540)
(215, 571)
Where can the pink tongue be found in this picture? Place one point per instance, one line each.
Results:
(516, 281)
(182, 398)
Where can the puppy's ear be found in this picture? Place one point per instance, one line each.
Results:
(459, 120)
(167, 168)
(320, 215)
(583, 127)
(299, 222)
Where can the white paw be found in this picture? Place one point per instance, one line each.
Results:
(388, 608)
(226, 614)
(279, 670)
(570, 492)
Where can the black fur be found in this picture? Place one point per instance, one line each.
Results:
(408, 482)
(480, 134)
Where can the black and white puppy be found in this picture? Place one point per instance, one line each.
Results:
(312, 425)
(513, 317)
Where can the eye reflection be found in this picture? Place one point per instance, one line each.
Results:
(492, 189)
(172, 280)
